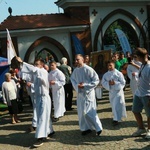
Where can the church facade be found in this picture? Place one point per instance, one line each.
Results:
(88, 20)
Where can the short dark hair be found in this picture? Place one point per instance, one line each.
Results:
(39, 59)
(141, 52)
(86, 56)
(79, 55)
(53, 61)
(121, 53)
(110, 61)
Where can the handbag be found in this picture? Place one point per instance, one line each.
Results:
(20, 107)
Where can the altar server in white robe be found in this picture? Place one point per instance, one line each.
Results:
(133, 72)
(57, 82)
(84, 80)
(43, 102)
(113, 81)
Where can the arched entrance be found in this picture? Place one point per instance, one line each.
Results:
(48, 44)
(110, 36)
(125, 14)
(45, 52)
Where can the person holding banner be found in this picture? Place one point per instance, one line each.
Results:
(43, 103)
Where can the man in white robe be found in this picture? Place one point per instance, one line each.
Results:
(114, 82)
(43, 102)
(84, 80)
(57, 81)
(133, 72)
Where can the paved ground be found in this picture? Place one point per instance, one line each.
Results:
(68, 136)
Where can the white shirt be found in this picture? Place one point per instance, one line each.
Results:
(11, 89)
(143, 88)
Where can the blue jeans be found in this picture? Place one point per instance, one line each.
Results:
(141, 102)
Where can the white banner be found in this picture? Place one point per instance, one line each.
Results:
(10, 48)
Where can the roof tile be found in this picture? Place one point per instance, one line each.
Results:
(40, 21)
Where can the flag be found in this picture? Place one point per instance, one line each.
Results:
(123, 41)
(3, 61)
(78, 46)
(10, 48)
(3, 69)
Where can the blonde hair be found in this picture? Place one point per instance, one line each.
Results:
(7, 75)
(64, 60)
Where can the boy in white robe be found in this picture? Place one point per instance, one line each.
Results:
(57, 81)
(43, 102)
(114, 82)
(84, 80)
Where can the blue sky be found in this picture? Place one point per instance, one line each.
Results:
(27, 7)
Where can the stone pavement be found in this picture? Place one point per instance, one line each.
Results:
(68, 136)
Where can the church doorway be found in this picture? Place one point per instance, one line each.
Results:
(47, 55)
(46, 46)
(128, 21)
(111, 38)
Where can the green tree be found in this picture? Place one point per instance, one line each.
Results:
(110, 37)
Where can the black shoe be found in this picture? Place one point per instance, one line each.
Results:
(55, 119)
(51, 134)
(31, 129)
(115, 123)
(98, 133)
(38, 143)
(86, 132)
(69, 109)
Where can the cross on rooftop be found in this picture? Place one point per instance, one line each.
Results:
(142, 10)
(94, 12)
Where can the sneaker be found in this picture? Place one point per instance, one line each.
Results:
(38, 143)
(147, 134)
(139, 132)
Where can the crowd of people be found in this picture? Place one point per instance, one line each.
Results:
(50, 85)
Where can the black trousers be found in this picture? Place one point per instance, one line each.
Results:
(68, 96)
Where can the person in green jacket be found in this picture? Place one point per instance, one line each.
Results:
(122, 59)
(115, 58)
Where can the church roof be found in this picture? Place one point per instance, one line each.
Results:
(40, 21)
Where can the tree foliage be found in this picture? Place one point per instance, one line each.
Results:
(110, 37)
